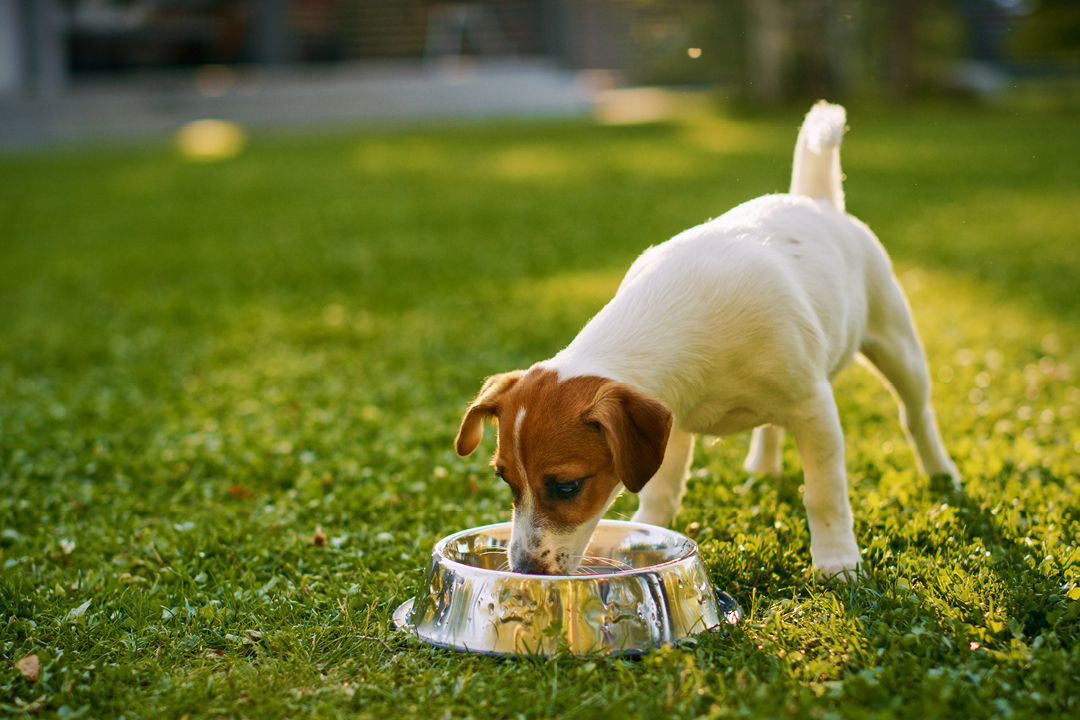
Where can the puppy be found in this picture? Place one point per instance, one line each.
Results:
(739, 323)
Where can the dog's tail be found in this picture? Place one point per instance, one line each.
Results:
(816, 171)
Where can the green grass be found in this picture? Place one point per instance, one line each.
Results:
(202, 367)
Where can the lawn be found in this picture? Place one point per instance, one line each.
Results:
(228, 394)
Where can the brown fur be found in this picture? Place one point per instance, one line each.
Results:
(583, 427)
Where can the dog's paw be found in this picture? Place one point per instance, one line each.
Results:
(945, 471)
(944, 483)
(852, 575)
(846, 567)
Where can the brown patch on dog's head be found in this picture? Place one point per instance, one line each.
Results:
(485, 407)
(567, 443)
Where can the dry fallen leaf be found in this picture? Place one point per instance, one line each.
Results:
(319, 538)
(33, 706)
(241, 492)
(29, 666)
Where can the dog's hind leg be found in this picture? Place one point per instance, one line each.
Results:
(816, 427)
(893, 348)
(662, 495)
(766, 451)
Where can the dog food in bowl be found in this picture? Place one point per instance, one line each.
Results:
(639, 587)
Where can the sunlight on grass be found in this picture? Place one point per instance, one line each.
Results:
(576, 291)
(530, 164)
(1004, 379)
(644, 151)
(1033, 218)
(723, 135)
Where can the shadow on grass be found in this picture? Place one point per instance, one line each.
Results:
(1034, 588)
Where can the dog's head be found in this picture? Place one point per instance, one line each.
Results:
(566, 448)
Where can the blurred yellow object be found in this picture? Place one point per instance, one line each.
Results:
(209, 140)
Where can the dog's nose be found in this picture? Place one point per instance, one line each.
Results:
(529, 566)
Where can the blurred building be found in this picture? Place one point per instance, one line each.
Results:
(46, 43)
(152, 63)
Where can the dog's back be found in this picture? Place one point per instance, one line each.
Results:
(774, 287)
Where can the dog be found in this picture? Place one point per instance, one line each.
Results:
(739, 323)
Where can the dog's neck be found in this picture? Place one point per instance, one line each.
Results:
(582, 359)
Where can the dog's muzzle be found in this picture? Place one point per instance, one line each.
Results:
(531, 563)
(531, 566)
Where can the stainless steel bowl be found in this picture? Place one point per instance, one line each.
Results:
(640, 587)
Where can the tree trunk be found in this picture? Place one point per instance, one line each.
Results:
(902, 42)
(769, 34)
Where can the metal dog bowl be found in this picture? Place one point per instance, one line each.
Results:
(639, 587)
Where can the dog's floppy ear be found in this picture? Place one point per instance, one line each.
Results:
(635, 428)
(484, 407)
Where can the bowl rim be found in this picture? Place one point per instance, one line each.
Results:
(439, 555)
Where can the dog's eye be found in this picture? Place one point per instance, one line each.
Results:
(564, 490)
(500, 473)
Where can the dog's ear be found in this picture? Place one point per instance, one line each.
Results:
(635, 428)
(484, 407)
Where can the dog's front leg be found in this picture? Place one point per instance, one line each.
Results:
(662, 495)
(816, 427)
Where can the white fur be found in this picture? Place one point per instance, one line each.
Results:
(517, 441)
(744, 321)
(527, 536)
(815, 171)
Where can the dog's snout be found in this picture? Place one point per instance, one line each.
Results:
(523, 561)
(530, 566)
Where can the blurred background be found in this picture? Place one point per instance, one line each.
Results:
(90, 68)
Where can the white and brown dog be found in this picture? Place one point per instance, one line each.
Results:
(739, 323)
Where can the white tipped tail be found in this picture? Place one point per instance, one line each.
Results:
(816, 171)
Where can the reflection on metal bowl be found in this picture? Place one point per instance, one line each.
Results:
(639, 587)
